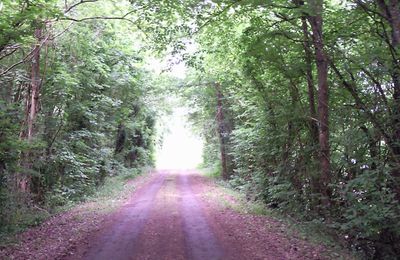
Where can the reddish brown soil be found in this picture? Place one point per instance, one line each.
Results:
(172, 216)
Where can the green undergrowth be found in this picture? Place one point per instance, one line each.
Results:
(108, 196)
(105, 199)
(211, 172)
(23, 218)
(314, 232)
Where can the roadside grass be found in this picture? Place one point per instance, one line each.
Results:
(105, 199)
(211, 172)
(23, 218)
(314, 232)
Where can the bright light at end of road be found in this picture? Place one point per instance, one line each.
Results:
(180, 149)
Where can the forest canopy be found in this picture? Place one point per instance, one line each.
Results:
(298, 103)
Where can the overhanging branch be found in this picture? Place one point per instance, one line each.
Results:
(124, 17)
(68, 9)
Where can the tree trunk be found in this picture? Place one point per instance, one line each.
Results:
(121, 138)
(310, 83)
(31, 110)
(292, 127)
(315, 19)
(221, 132)
(390, 10)
(372, 146)
(32, 101)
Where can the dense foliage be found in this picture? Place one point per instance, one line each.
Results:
(260, 65)
(298, 103)
(94, 114)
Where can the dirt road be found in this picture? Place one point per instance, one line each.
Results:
(176, 215)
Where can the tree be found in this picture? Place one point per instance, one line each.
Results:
(68, 89)
(321, 59)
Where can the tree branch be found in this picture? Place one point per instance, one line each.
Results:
(212, 18)
(77, 4)
(14, 49)
(369, 10)
(101, 18)
(360, 104)
(26, 58)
